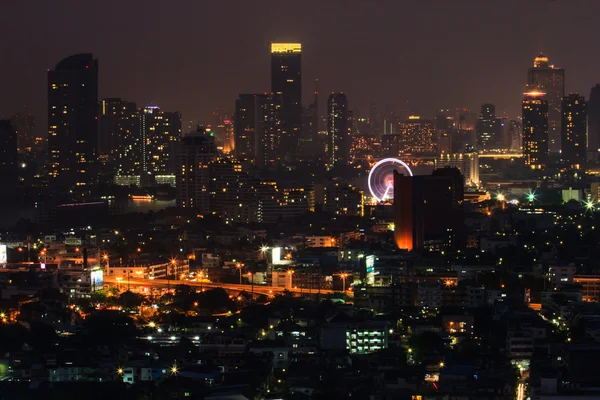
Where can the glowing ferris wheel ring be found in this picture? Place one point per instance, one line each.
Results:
(381, 178)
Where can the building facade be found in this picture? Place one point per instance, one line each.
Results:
(535, 130)
(73, 122)
(195, 153)
(549, 79)
(338, 147)
(574, 131)
(286, 80)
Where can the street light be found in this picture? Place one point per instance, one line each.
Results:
(106, 258)
(239, 267)
(174, 270)
(344, 275)
(290, 272)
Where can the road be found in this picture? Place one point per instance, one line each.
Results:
(259, 289)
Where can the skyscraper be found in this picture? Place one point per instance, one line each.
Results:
(574, 131)
(551, 80)
(24, 123)
(515, 130)
(268, 129)
(160, 132)
(73, 121)
(310, 125)
(488, 128)
(535, 129)
(286, 80)
(427, 207)
(244, 127)
(118, 119)
(338, 148)
(120, 142)
(593, 111)
(417, 135)
(195, 152)
(8, 158)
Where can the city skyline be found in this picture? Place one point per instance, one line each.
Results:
(462, 68)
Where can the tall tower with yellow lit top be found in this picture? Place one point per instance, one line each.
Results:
(286, 80)
(549, 79)
(535, 129)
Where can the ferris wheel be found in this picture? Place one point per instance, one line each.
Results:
(381, 178)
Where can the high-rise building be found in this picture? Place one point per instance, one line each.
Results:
(343, 200)
(488, 128)
(467, 163)
(427, 208)
(268, 130)
(24, 123)
(160, 132)
(195, 152)
(244, 127)
(551, 80)
(417, 135)
(229, 142)
(310, 125)
(73, 122)
(574, 131)
(374, 119)
(593, 111)
(119, 141)
(515, 129)
(535, 129)
(286, 80)
(8, 158)
(338, 148)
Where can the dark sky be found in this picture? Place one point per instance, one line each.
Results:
(197, 55)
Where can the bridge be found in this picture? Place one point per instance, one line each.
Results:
(230, 287)
(501, 155)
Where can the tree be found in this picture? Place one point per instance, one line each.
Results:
(130, 300)
(426, 342)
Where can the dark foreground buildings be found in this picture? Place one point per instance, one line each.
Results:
(427, 208)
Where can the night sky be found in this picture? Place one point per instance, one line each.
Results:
(197, 55)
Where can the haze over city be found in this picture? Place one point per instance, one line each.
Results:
(195, 56)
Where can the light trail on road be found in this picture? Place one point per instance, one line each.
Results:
(258, 289)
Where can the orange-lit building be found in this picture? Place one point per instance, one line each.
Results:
(427, 207)
(590, 286)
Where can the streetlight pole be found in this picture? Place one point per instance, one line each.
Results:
(344, 276)
(239, 267)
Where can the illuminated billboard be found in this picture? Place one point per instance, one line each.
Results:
(370, 269)
(97, 279)
(3, 254)
(276, 255)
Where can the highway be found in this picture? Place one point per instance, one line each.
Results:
(258, 289)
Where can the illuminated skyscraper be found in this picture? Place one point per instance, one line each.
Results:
(488, 128)
(574, 131)
(160, 132)
(268, 129)
(244, 127)
(535, 130)
(593, 111)
(338, 148)
(551, 80)
(119, 142)
(286, 80)
(417, 135)
(195, 152)
(73, 122)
